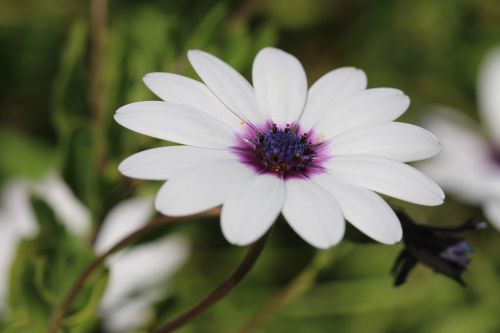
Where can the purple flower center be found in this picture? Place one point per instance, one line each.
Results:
(285, 152)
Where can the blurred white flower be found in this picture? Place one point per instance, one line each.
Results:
(16, 207)
(18, 221)
(126, 217)
(8, 244)
(136, 274)
(316, 155)
(469, 165)
(66, 206)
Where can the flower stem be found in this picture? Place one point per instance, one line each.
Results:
(59, 313)
(216, 295)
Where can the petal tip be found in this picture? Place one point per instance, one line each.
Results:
(406, 100)
(392, 241)
(118, 116)
(123, 166)
(322, 246)
(193, 54)
(270, 49)
(233, 238)
(437, 201)
(158, 205)
(148, 77)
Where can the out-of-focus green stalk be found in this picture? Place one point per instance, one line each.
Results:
(73, 53)
(98, 34)
(296, 288)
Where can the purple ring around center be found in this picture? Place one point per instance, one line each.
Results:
(284, 151)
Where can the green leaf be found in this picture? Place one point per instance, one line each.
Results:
(63, 107)
(73, 53)
(149, 43)
(88, 302)
(203, 35)
(44, 270)
(80, 168)
(24, 156)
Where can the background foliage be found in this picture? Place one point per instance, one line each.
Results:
(51, 119)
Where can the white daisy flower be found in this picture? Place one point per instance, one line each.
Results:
(469, 166)
(18, 220)
(125, 304)
(138, 274)
(59, 196)
(314, 155)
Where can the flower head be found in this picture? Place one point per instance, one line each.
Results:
(469, 166)
(434, 247)
(137, 274)
(18, 220)
(316, 155)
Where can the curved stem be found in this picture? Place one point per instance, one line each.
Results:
(98, 262)
(238, 275)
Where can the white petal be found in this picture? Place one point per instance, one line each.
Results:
(135, 279)
(17, 208)
(489, 96)
(465, 183)
(313, 213)
(386, 176)
(398, 141)
(364, 209)
(330, 89)
(163, 163)
(175, 122)
(183, 90)
(131, 314)
(17, 220)
(200, 188)
(280, 85)
(9, 239)
(368, 106)
(60, 197)
(251, 208)
(228, 85)
(492, 212)
(143, 265)
(459, 136)
(123, 219)
(463, 166)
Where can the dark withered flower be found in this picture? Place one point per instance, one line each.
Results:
(434, 247)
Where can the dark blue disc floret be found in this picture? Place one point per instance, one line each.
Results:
(283, 150)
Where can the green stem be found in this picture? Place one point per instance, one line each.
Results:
(215, 296)
(68, 301)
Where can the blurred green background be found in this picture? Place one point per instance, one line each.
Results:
(61, 81)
